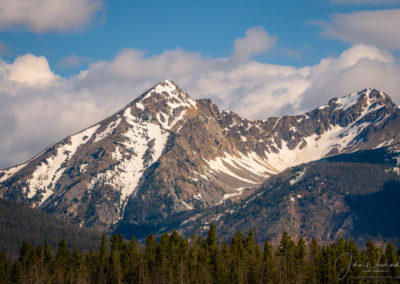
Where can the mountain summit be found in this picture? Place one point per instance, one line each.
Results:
(165, 104)
(165, 155)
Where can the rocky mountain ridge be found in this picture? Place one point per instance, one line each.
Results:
(165, 154)
(353, 195)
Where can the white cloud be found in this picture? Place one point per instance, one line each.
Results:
(33, 116)
(359, 67)
(256, 41)
(31, 70)
(379, 27)
(48, 15)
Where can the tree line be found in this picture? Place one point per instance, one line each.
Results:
(175, 259)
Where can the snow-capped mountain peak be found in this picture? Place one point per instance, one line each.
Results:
(366, 98)
(165, 153)
(165, 103)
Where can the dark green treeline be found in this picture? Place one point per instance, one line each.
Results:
(174, 259)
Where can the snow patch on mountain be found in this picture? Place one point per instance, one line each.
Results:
(108, 131)
(250, 168)
(298, 177)
(188, 207)
(174, 98)
(176, 103)
(347, 101)
(143, 145)
(323, 107)
(139, 105)
(11, 171)
(49, 171)
(82, 168)
(318, 146)
(238, 192)
(198, 196)
(384, 143)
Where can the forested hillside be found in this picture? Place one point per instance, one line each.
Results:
(18, 224)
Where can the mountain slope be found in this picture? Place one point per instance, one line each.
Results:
(165, 157)
(18, 224)
(352, 195)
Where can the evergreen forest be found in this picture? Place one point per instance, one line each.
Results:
(175, 259)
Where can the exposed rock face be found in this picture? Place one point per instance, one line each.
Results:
(352, 195)
(165, 154)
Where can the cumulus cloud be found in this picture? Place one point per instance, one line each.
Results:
(48, 15)
(34, 115)
(361, 66)
(31, 70)
(379, 27)
(256, 41)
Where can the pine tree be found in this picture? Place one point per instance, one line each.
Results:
(101, 262)
(77, 269)
(115, 268)
(5, 267)
(354, 271)
(49, 265)
(204, 271)
(226, 260)
(17, 273)
(392, 261)
(268, 264)
(150, 257)
(26, 261)
(178, 254)
(39, 264)
(212, 236)
(342, 260)
(238, 265)
(215, 257)
(313, 262)
(91, 267)
(327, 265)
(253, 258)
(286, 253)
(193, 259)
(63, 262)
(300, 258)
(131, 263)
(115, 271)
(163, 259)
(371, 255)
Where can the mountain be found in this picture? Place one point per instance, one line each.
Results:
(165, 158)
(354, 195)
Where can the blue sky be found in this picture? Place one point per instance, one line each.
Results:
(65, 65)
(208, 27)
